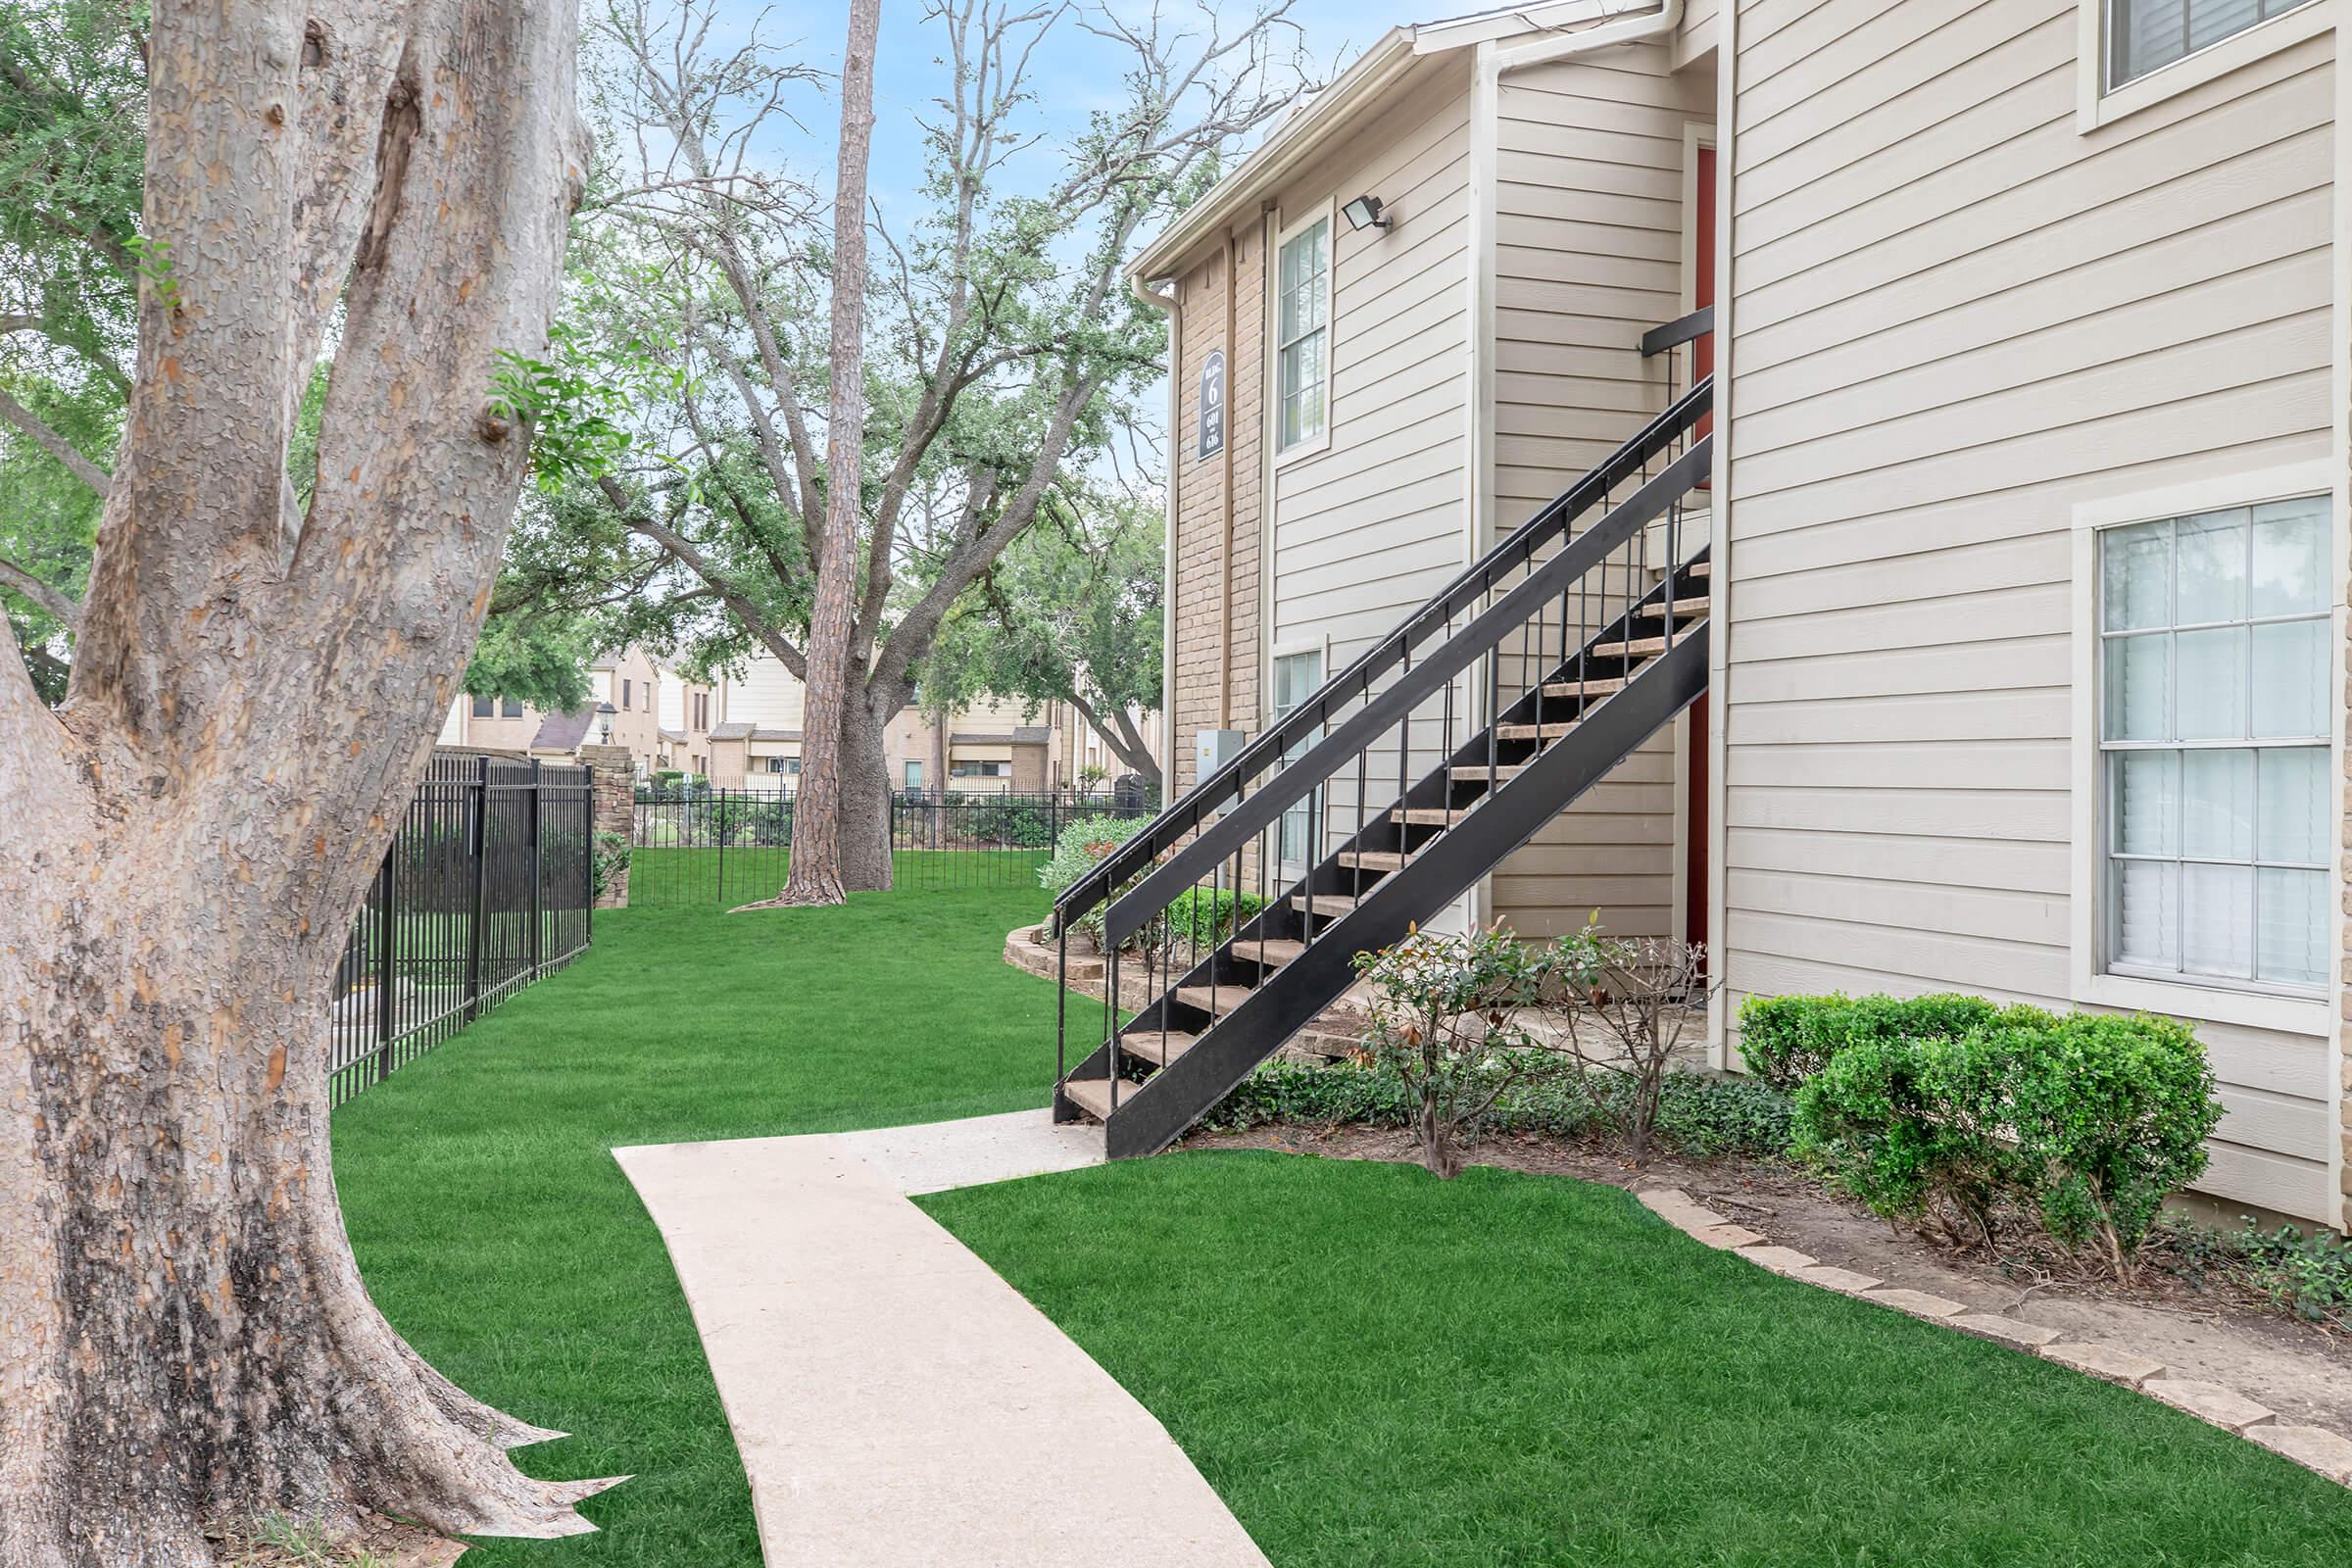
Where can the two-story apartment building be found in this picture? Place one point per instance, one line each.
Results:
(2026, 545)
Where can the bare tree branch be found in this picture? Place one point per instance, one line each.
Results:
(57, 446)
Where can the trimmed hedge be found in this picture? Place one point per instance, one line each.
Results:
(2084, 1121)
(1699, 1114)
(1785, 1040)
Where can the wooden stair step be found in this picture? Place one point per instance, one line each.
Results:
(1638, 648)
(1093, 1094)
(1589, 686)
(1434, 815)
(1271, 952)
(1372, 859)
(1536, 732)
(1331, 906)
(1697, 569)
(1154, 1047)
(1476, 774)
(1216, 1001)
(1687, 609)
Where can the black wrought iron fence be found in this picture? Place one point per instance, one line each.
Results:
(696, 849)
(486, 888)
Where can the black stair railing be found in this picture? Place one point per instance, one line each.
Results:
(1243, 904)
(1661, 437)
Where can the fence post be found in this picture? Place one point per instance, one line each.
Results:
(385, 961)
(477, 841)
(536, 917)
(588, 859)
(723, 814)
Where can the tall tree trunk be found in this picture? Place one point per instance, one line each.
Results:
(866, 863)
(815, 872)
(184, 1339)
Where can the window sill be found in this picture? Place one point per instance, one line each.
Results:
(2184, 999)
(2094, 107)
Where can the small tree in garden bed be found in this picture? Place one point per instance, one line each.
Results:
(1629, 1018)
(1447, 1019)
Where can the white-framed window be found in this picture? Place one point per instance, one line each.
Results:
(1297, 676)
(2134, 52)
(969, 770)
(2147, 35)
(789, 767)
(2212, 789)
(1302, 335)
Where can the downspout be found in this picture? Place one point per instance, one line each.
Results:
(1171, 303)
(1225, 549)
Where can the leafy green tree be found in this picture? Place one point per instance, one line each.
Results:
(73, 145)
(1003, 351)
(1069, 614)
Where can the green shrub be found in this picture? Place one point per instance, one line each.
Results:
(1082, 844)
(2306, 1277)
(1006, 822)
(1202, 917)
(1701, 1115)
(2109, 1114)
(1785, 1040)
(2083, 1123)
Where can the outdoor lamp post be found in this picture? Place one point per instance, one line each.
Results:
(605, 711)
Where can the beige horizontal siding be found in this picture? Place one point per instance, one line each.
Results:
(1957, 317)
(1588, 226)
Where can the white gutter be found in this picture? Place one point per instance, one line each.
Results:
(1173, 308)
(1633, 30)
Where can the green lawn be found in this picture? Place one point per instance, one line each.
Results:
(1376, 1368)
(497, 1231)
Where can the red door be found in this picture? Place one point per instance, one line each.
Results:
(1695, 773)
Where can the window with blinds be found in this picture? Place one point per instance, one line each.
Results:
(2145, 34)
(1302, 335)
(2214, 709)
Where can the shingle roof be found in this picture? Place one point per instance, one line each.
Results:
(563, 732)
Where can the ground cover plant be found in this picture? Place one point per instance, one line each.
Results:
(1375, 1366)
(497, 1233)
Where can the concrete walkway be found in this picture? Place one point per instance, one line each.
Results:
(895, 1403)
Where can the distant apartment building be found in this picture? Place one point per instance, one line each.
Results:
(635, 700)
(995, 747)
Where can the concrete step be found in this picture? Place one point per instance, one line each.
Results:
(1093, 1096)
(1271, 952)
(1154, 1047)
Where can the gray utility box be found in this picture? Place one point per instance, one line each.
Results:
(1213, 749)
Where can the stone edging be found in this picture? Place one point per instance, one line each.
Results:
(2317, 1448)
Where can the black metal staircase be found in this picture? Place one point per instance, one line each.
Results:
(1382, 798)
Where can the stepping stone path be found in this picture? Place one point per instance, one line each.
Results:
(2314, 1448)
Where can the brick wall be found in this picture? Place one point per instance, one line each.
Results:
(1200, 563)
(615, 808)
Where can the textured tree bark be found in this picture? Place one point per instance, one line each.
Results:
(184, 1339)
(814, 874)
(865, 786)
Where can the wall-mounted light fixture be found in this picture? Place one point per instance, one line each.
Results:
(1364, 213)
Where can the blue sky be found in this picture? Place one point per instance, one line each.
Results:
(1073, 71)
